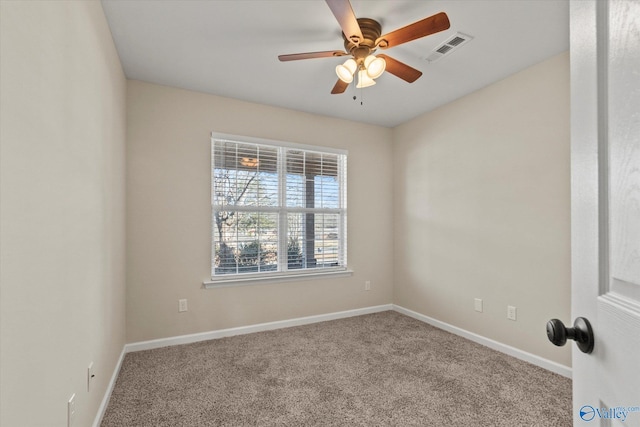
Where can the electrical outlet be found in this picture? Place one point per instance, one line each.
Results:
(511, 312)
(477, 303)
(71, 410)
(90, 376)
(182, 305)
(367, 285)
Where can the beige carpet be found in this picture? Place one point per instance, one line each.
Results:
(383, 369)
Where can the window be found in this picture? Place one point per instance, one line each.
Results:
(277, 209)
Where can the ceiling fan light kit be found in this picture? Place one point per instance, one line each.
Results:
(362, 37)
(375, 66)
(372, 68)
(345, 71)
(364, 80)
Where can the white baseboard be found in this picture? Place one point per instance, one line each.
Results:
(107, 394)
(549, 365)
(221, 333)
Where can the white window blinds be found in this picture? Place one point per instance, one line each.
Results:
(276, 209)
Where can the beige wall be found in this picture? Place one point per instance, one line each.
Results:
(481, 191)
(62, 210)
(481, 195)
(169, 214)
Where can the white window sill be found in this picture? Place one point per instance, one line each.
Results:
(275, 278)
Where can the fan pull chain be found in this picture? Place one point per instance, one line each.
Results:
(361, 97)
(354, 87)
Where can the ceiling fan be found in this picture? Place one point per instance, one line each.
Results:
(362, 38)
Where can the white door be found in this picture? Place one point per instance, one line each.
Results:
(605, 213)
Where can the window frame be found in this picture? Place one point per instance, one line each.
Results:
(282, 209)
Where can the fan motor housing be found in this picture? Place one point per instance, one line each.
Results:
(371, 30)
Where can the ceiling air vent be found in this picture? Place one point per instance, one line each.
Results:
(444, 49)
(456, 40)
(452, 43)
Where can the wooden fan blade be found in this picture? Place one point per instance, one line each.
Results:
(309, 55)
(400, 69)
(340, 87)
(343, 12)
(431, 25)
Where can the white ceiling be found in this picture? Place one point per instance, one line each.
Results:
(230, 48)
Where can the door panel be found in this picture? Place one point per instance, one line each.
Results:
(623, 70)
(605, 153)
